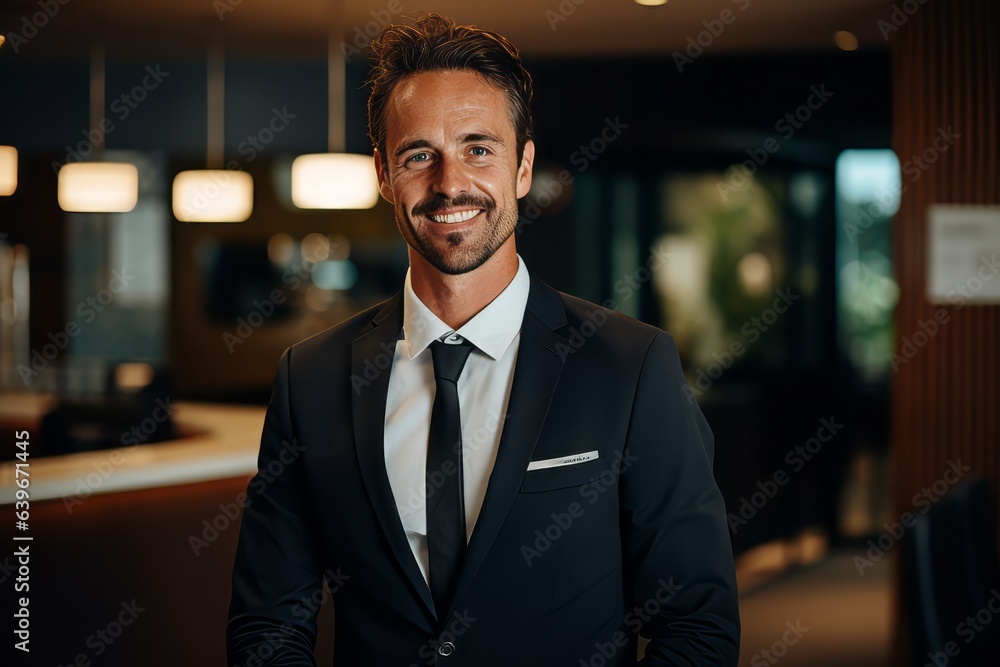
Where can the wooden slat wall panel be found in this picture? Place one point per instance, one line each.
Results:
(946, 68)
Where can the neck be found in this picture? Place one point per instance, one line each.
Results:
(456, 299)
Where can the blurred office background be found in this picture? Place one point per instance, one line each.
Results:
(752, 176)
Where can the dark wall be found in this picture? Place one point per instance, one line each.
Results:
(716, 106)
(706, 117)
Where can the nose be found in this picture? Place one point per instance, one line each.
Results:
(451, 178)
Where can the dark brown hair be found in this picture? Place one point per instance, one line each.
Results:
(433, 43)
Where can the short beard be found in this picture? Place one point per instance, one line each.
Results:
(502, 223)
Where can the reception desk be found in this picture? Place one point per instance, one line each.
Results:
(225, 445)
(131, 549)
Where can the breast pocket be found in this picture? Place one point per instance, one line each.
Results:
(562, 476)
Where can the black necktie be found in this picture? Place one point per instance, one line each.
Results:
(445, 493)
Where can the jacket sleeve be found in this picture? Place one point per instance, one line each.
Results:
(675, 540)
(277, 574)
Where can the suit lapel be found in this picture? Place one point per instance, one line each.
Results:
(369, 433)
(536, 374)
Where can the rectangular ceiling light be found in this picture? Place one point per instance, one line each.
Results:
(213, 195)
(8, 170)
(334, 180)
(98, 187)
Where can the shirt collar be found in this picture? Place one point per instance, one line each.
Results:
(491, 330)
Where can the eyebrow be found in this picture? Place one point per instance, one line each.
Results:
(416, 143)
(476, 138)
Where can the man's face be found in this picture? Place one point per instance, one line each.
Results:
(450, 168)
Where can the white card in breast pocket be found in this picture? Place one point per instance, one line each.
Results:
(572, 459)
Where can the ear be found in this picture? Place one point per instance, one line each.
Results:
(523, 182)
(382, 174)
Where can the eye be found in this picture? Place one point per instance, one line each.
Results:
(479, 151)
(421, 160)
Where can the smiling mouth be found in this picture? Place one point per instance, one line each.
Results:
(452, 218)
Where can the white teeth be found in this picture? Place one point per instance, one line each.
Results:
(456, 217)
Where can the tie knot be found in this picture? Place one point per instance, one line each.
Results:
(450, 357)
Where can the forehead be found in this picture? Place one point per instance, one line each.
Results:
(445, 100)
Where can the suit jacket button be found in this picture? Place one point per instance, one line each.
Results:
(446, 649)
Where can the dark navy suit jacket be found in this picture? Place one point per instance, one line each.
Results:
(566, 565)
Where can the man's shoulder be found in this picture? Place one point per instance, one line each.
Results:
(345, 332)
(615, 342)
(608, 324)
(596, 334)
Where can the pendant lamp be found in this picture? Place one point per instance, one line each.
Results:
(335, 180)
(214, 194)
(97, 186)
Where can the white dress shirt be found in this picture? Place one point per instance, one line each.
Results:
(483, 392)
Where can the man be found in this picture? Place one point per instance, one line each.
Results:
(487, 471)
